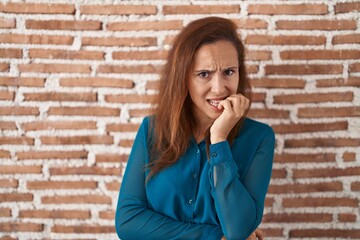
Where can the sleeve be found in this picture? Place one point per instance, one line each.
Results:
(135, 220)
(239, 200)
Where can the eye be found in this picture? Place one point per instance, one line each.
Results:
(203, 74)
(229, 72)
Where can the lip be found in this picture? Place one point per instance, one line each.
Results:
(214, 108)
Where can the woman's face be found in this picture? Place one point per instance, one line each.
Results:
(215, 76)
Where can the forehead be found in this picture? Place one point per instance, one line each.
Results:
(219, 54)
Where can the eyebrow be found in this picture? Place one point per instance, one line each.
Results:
(211, 70)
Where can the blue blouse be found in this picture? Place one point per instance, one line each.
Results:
(197, 198)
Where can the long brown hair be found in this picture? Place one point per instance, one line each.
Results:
(174, 121)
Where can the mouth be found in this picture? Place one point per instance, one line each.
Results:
(215, 102)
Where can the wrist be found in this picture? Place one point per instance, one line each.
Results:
(217, 139)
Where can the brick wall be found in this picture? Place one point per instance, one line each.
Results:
(76, 80)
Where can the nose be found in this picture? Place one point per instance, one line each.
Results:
(217, 84)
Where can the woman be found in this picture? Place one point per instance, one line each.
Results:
(198, 169)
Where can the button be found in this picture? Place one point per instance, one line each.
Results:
(214, 154)
(190, 201)
(194, 175)
(198, 151)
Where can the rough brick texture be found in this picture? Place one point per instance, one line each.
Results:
(77, 77)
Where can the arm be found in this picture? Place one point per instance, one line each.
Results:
(239, 200)
(134, 219)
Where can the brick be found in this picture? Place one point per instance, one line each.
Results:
(258, 97)
(148, 68)
(355, 186)
(347, 217)
(129, 98)
(19, 111)
(61, 96)
(50, 125)
(77, 140)
(34, 8)
(310, 127)
(4, 153)
(113, 186)
(140, 55)
(16, 197)
(314, 97)
(258, 55)
(346, 38)
(32, 155)
(305, 188)
(5, 212)
(7, 95)
(62, 54)
(320, 54)
(322, 142)
(148, 25)
(306, 158)
(4, 67)
(347, 7)
(154, 85)
(325, 233)
(325, 25)
(36, 39)
(16, 141)
(315, 202)
(84, 111)
(279, 173)
(7, 23)
(258, 39)
(7, 126)
(273, 232)
(97, 82)
(84, 171)
(83, 199)
(18, 169)
(303, 69)
(63, 25)
(288, 9)
(323, 112)
(325, 172)
(297, 217)
(10, 53)
(21, 227)
(126, 143)
(252, 23)
(339, 82)
(83, 229)
(277, 83)
(122, 127)
(22, 81)
(200, 9)
(349, 156)
(252, 68)
(107, 215)
(105, 9)
(269, 202)
(44, 185)
(354, 67)
(7, 237)
(100, 158)
(139, 112)
(268, 113)
(54, 68)
(55, 214)
(9, 183)
(119, 41)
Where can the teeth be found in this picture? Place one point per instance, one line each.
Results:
(214, 103)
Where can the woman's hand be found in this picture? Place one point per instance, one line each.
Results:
(256, 235)
(234, 107)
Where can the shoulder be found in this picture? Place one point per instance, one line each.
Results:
(256, 129)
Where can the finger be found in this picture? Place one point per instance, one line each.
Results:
(252, 236)
(226, 105)
(240, 104)
(259, 234)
